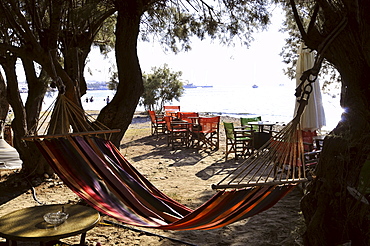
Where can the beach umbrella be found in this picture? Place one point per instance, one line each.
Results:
(313, 117)
(9, 157)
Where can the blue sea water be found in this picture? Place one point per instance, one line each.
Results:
(274, 103)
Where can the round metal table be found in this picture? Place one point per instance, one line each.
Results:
(28, 224)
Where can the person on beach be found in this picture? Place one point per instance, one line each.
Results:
(108, 100)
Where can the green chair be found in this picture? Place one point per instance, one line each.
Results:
(238, 141)
(245, 121)
(261, 133)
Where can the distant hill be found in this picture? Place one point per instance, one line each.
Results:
(96, 85)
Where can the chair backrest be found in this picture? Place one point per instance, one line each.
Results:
(186, 116)
(152, 116)
(171, 109)
(209, 124)
(168, 120)
(229, 130)
(307, 137)
(245, 121)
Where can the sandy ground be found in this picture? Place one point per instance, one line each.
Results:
(185, 175)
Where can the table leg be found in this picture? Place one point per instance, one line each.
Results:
(83, 238)
(11, 242)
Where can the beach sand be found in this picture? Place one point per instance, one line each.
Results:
(185, 175)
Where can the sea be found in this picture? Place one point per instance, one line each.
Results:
(274, 103)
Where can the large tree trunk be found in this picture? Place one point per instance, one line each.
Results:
(76, 48)
(37, 87)
(332, 212)
(119, 112)
(4, 105)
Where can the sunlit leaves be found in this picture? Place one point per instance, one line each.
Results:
(328, 74)
(161, 86)
(175, 24)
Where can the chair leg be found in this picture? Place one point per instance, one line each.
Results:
(230, 148)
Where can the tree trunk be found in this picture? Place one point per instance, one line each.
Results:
(76, 48)
(31, 157)
(37, 87)
(119, 112)
(333, 213)
(4, 105)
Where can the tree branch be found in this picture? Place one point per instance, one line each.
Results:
(311, 25)
(298, 20)
(22, 27)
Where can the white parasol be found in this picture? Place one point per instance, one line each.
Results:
(313, 117)
(9, 157)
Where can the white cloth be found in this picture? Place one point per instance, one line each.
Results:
(9, 157)
(313, 117)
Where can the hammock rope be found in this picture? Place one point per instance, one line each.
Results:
(73, 119)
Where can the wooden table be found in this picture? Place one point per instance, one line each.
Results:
(262, 125)
(28, 224)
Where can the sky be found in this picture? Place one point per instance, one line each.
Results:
(209, 63)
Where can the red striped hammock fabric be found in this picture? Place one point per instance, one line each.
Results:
(97, 172)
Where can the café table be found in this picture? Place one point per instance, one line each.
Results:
(263, 134)
(262, 125)
(28, 224)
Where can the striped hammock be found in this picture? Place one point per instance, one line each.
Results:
(96, 171)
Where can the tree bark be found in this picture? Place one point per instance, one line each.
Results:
(37, 87)
(119, 112)
(333, 214)
(4, 105)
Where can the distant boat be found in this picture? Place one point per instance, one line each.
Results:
(254, 86)
(23, 90)
(190, 86)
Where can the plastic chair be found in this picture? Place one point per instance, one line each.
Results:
(171, 110)
(238, 141)
(206, 133)
(158, 125)
(178, 132)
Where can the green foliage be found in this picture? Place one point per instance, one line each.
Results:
(329, 76)
(174, 23)
(161, 86)
(105, 38)
(113, 83)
